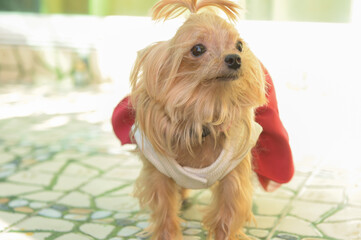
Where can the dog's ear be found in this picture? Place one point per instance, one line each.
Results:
(149, 68)
(254, 91)
(155, 70)
(153, 74)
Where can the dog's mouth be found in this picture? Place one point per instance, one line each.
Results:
(227, 77)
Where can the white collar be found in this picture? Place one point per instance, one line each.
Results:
(194, 178)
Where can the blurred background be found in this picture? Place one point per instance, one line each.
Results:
(65, 64)
(83, 41)
(286, 10)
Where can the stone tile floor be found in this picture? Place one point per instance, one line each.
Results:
(64, 176)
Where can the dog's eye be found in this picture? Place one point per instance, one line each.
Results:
(198, 50)
(239, 46)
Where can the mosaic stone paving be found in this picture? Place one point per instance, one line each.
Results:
(64, 176)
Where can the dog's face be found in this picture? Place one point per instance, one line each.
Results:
(207, 60)
(212, 49)
(204, 76)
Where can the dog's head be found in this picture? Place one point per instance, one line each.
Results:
(204, 76)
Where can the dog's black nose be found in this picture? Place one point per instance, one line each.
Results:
(233, 61)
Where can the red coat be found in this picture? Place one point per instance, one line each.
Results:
(272, 155)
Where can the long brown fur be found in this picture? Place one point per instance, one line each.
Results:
(176, 95)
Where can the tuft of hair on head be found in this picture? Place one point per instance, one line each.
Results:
(169, 9)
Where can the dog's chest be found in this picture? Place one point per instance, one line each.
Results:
(204, 155)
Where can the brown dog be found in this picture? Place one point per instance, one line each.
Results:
(194, 98)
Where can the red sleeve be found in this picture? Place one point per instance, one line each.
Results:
(123, 120)
(273, 161)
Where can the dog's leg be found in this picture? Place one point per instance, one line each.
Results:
(161, 194)
(184, 195)
(231, 205)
